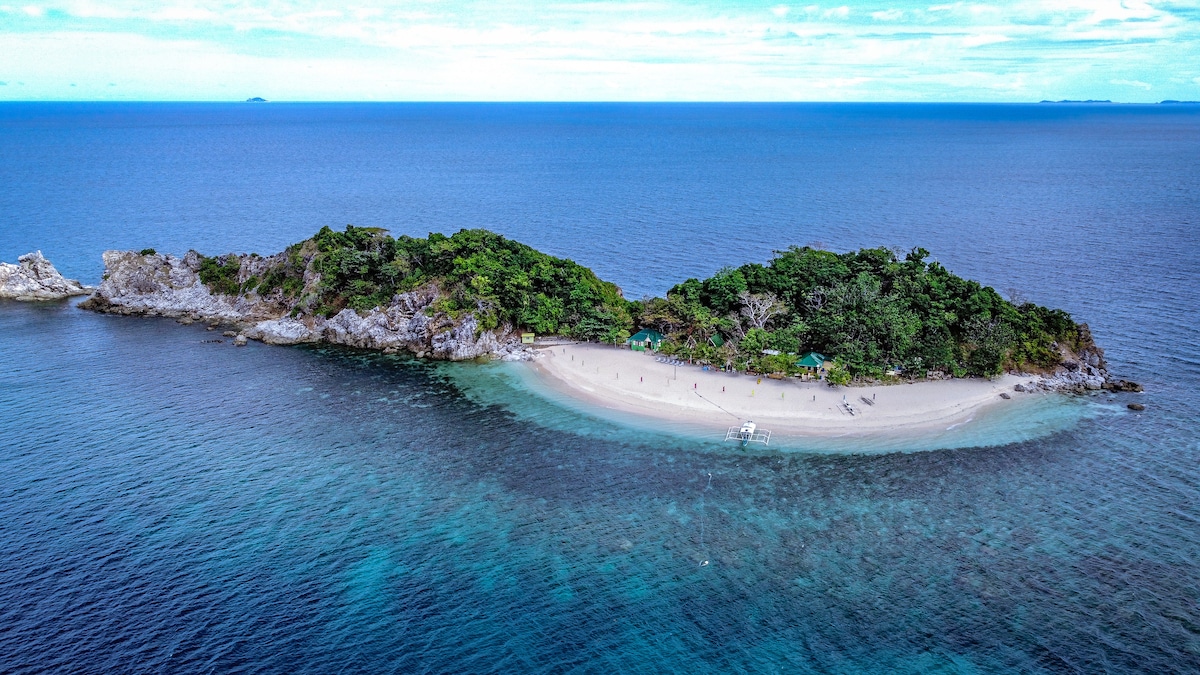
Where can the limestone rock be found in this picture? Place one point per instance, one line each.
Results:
(285, 331)
(34, 278)
(164, 285)
(240, 341)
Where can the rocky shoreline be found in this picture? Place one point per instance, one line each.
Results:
(1078, 373)
(153, 284)
(33, 278)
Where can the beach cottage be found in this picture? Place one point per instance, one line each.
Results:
(813, 362)
(646, 338)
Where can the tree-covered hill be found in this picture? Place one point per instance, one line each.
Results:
(870, 309)
(502, 282)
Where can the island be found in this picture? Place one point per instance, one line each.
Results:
(33, 278)
(812, 319)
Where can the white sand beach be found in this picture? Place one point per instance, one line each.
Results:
(634, 382)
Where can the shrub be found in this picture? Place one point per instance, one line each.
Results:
(220, 274)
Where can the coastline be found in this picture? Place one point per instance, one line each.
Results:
(635, 383)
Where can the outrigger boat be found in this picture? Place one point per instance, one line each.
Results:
(748, 433)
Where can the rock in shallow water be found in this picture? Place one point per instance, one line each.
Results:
(1136, 406)
(34, 278)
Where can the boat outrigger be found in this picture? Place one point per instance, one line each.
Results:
(748, 433)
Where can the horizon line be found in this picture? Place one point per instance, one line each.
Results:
(611, 101)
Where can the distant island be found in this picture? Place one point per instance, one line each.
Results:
(1071, 101)
(256, 99)
(870, 315)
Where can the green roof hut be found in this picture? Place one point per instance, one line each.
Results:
(812, 361)
(646, 338)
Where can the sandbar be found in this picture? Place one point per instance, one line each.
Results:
(616, 378)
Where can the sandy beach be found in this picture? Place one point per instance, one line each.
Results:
(634, 382)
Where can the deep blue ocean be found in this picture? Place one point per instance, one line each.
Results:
(174, 506)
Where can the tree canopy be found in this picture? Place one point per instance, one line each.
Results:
(871, 309)
(501, 281)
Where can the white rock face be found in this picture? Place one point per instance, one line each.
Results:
(161, 285)
(34, 278)
(285, 331)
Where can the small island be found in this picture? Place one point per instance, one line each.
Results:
(33, 278)
(868, 318)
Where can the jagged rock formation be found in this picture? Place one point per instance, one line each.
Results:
(34, 278)
(166, 285)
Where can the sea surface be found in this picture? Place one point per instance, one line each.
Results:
(174, 505)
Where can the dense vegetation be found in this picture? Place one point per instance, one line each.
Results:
(501, 281)
(870, 309)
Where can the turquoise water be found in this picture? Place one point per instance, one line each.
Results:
(171, 505)
(516, 388)
(313, 510)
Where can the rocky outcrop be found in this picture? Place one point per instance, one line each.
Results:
(165, 285)
(34, 278)
(1121, 385)
(1079, 371)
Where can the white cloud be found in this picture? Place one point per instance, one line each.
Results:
(33, 10)
(1132, 83)
(654, 48)
(981, 40)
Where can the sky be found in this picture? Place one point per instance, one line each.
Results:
(670, 50)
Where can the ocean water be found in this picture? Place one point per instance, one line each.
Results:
(171, 505)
